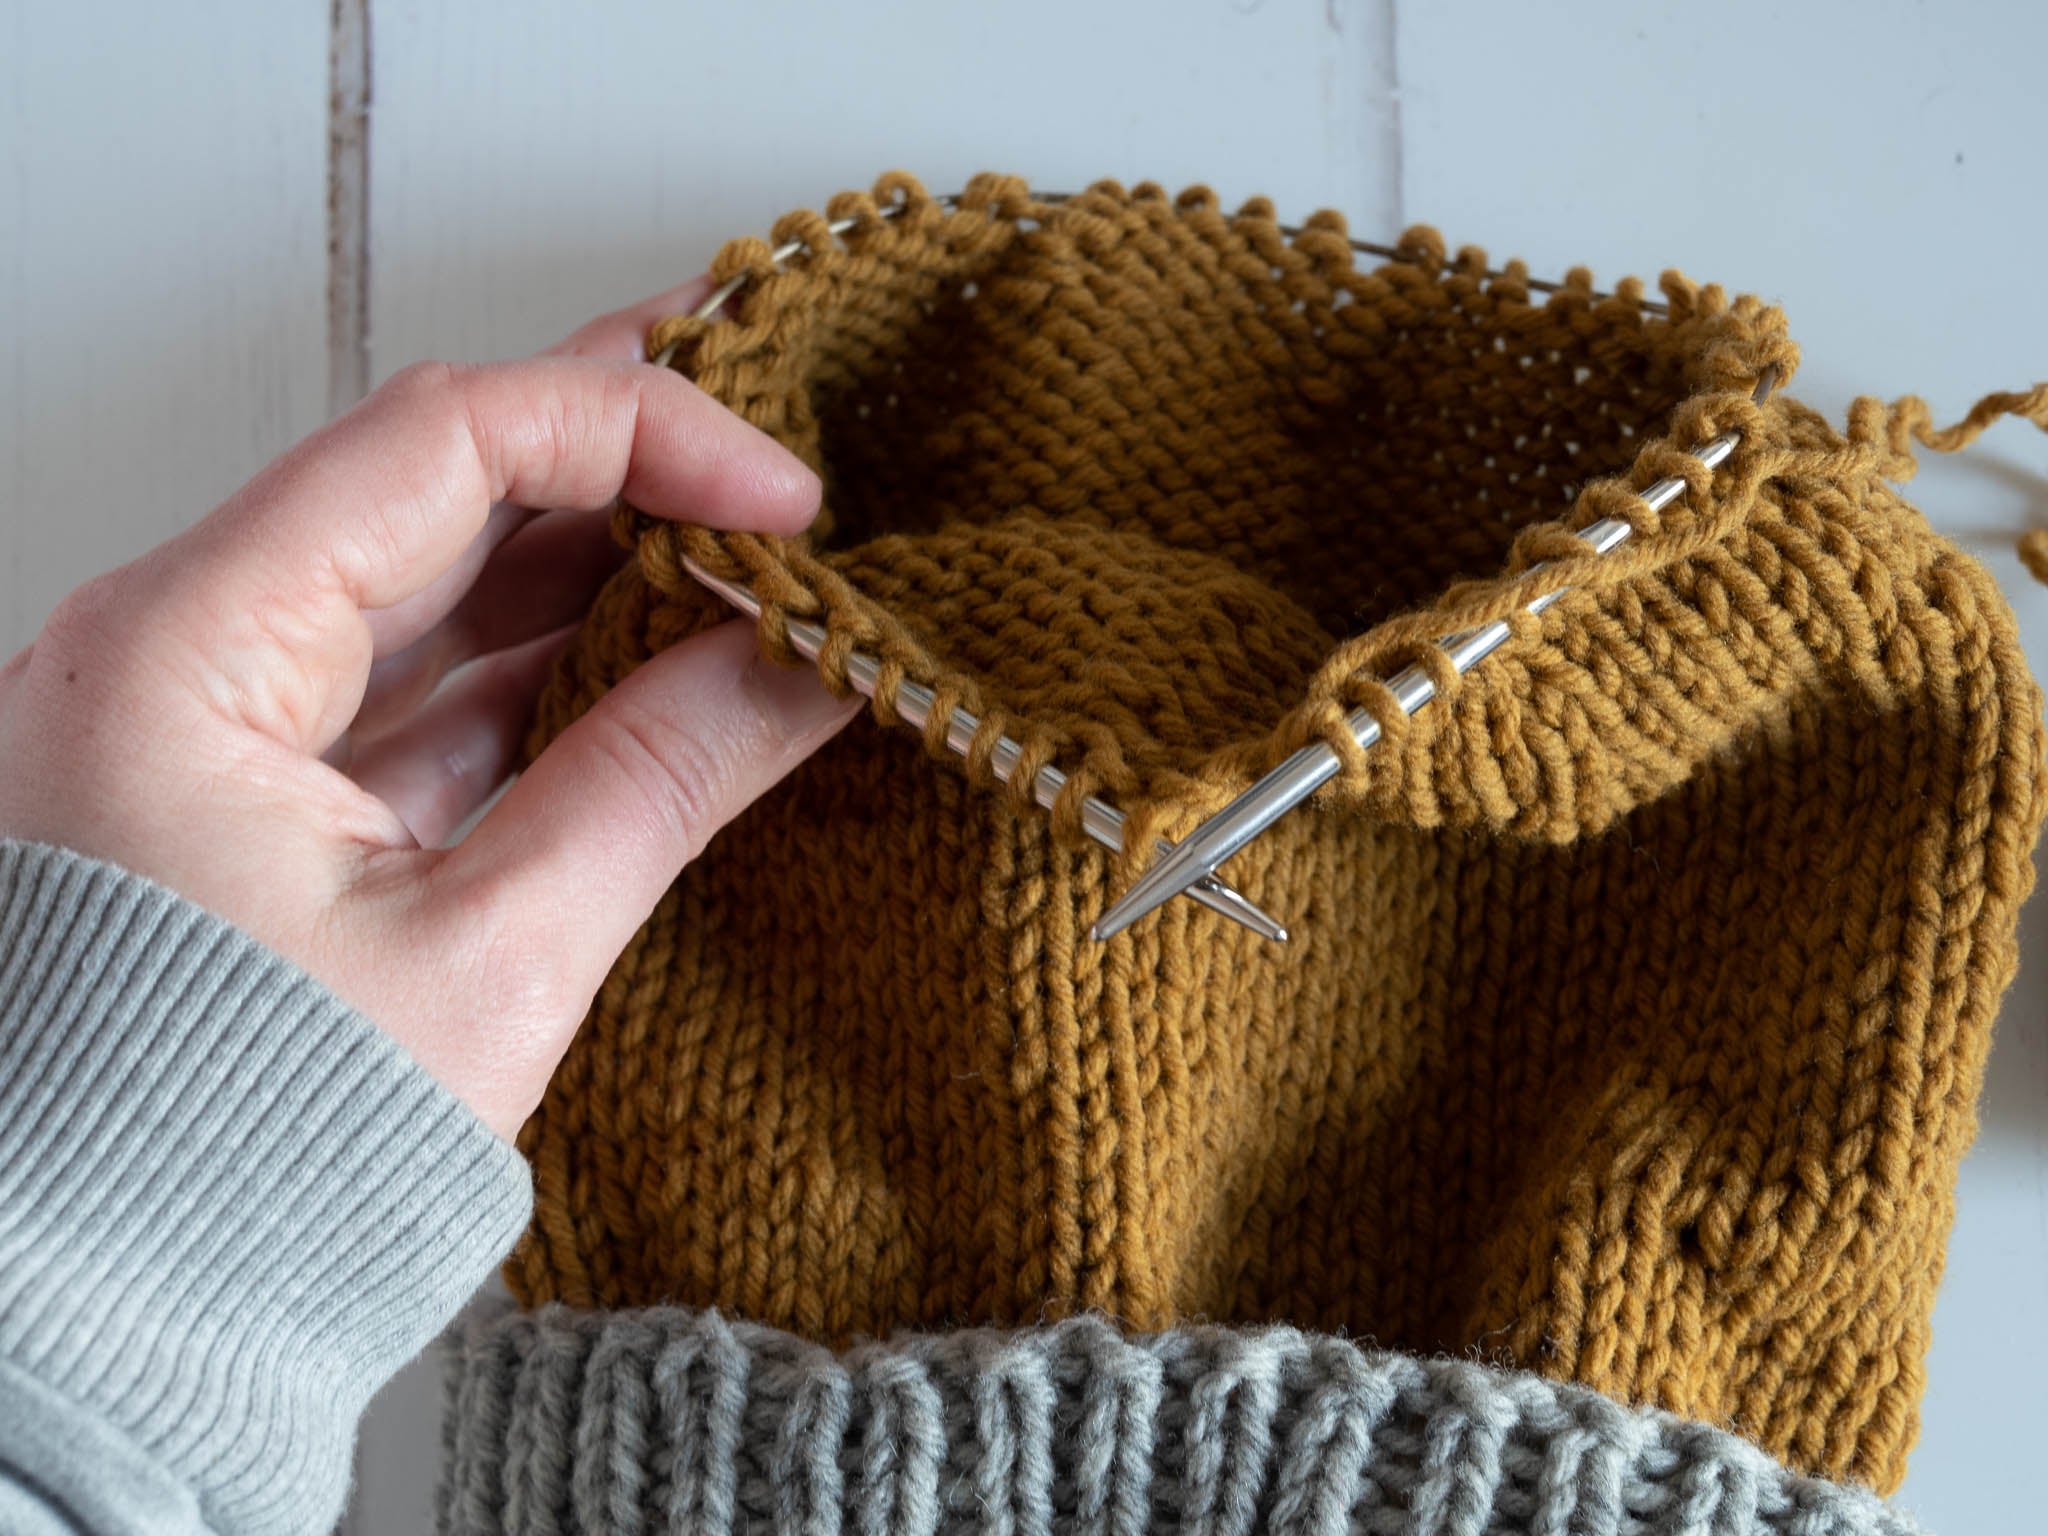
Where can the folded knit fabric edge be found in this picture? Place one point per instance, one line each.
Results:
(666, 1420)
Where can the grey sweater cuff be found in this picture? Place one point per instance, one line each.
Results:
(230, 1207)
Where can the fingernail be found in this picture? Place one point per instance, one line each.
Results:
(794, 699)
(798, 481)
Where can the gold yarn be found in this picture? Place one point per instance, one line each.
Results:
(1642, 983)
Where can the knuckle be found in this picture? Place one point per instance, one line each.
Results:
(512, 967)
(438, 393)
(528, 976)
(425, 381)
(436, 399)
(86, 615)
(85, 633)
(679, 774)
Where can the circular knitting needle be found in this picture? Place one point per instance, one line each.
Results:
(914, 702)
(1102, 822)
(1308, 770)
(783, 254)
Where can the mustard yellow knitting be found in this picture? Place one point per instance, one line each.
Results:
(1641, 984)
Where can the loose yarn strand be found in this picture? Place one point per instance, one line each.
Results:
(1908, 420)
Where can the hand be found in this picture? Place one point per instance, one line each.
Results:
(243, 714)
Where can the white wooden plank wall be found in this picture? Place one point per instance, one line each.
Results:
(180, 299)
(162, 274)
(532, 163)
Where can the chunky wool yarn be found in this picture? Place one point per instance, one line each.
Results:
(1641, 984)
(688, 1422)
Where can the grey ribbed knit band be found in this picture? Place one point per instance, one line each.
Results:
(661, 1422)
(230, 1209)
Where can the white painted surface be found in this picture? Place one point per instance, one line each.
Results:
(528, 165)
(163, 303)
(162, 274)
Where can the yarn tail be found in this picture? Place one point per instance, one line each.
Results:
(1908, 420)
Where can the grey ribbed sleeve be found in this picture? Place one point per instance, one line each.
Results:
(672, 1423)
(230, 1209)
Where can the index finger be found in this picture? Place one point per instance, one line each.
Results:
(620, 335)
(623, 332)
(382, 500)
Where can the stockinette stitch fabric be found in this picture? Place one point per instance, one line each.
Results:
(1640, 989)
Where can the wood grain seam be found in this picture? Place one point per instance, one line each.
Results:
(348, 204)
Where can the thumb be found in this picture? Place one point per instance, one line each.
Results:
(582, 846)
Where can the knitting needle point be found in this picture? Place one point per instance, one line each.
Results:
(1308, 770)
(914, 702)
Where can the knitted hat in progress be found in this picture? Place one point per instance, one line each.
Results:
(1640, 985)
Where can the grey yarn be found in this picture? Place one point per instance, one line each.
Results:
(663, 1421)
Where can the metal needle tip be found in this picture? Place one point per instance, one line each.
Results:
(1301, 775)
(915, 704)
(1209, 845)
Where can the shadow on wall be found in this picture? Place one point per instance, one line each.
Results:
(2013, 1112)
(2015, 1104)
(2016, 485)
